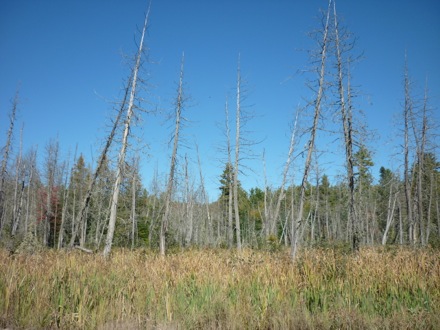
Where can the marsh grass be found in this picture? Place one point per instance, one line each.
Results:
(212, 289)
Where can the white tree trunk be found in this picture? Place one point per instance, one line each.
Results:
(390, 213)
(121, 157)
(237, 158)
(311, 142)
(170, 185)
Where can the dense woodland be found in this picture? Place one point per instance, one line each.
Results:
(68, 202)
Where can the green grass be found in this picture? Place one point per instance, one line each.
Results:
(211, 289)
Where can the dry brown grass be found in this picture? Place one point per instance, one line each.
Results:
(220, 289)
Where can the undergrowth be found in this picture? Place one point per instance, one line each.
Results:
(221, 289)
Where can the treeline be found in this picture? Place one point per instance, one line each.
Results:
(45, 201)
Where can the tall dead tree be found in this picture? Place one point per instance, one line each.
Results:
(79, 219)
(421, 141)
(346, 118)
(311, 142)
(6, 152)
(407, 113)
(124, 145)
(237, 158)
(171, 175)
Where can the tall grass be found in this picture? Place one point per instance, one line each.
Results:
(210, 289)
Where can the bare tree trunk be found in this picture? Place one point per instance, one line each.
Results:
(390, 213)
(346, 114)
(121, 157)
(237, 159)
(133, 202)
(99, 216)
(311, 142)
(155, 210)
(189, 213)
(428, 214)
(78, 220)
(210, 230)
(30, 184)
(407, 181)
(401, 238)
(422, 170)
(315, 218)
(272, 228)
(83, 231)
(266, 219)
(170, 185)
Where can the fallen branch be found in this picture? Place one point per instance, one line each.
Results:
(83, 249)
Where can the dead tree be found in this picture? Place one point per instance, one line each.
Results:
(274, 218)
(237, 158)
(171, 175)
(79, 219)
(188, 217)
(133, 215)
(124, 145)
(393, 196)
(346, 118)
(407, 113)
(311, 142)
(421, 144)
(205, 198)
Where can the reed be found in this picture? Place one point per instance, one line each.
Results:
(212, 289)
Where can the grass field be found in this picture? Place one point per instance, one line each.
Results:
(221, 289)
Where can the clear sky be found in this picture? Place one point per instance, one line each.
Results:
(68, 59)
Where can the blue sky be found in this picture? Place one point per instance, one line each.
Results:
(68, 58)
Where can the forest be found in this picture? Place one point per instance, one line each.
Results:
(104, 215)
